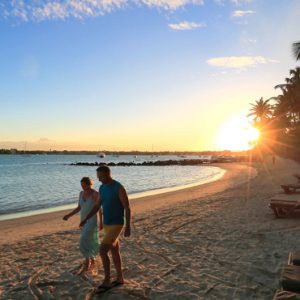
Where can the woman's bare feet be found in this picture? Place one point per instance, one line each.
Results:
(92, 263)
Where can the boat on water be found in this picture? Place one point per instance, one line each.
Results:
(101, 155)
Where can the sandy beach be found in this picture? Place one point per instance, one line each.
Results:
(214, 241)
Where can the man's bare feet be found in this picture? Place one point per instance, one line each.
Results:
(119, 280)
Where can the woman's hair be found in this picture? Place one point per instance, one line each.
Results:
(87, 181)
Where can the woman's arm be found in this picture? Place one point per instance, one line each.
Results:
(73, 212)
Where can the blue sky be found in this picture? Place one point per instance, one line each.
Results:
(131, 74)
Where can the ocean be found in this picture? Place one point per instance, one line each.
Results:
(31, 183)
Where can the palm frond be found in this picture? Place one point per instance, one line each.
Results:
(296, 50)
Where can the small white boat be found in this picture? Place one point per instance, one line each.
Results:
(101, 154)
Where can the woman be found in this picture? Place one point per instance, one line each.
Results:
(89, 238)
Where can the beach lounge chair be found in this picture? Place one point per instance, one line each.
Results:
(290, 278)
(294, 258)
(284, 208)
(286, 295)
(290, 188)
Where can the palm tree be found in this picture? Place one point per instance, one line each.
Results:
(296, 50)
(262, 119)
(295, 73)
(289, 101)
(261, 110)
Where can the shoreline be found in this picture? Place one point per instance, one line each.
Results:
(154, 192)
(17, 229)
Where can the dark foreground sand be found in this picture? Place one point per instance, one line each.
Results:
(215, 241)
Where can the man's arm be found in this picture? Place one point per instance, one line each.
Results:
(125, 202)
(94, 210)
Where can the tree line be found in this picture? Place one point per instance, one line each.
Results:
(278, 118)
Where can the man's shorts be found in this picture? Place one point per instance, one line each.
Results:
(111, 234)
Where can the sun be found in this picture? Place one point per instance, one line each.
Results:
(237, 134)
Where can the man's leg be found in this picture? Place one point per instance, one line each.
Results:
(104, 249)
(115, 252)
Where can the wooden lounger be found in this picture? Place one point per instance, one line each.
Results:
(294, 258)
(290, 188)
(290, 278)
(284, 208)
(286, 295)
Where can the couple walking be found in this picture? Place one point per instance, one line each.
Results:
(112, 205)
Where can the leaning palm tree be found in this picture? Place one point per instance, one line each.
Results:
(296, 50)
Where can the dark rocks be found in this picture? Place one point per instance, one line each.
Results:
(171, 162)
(184, 162)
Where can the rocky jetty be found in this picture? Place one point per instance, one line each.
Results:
(171, 162)
(184, 162)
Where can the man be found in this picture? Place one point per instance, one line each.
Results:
(114, 201)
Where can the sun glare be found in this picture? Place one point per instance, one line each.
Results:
(237, 134)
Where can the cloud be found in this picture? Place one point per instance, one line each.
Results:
(170, 4)
(240, 2)
(238, 62)
(186, 25)
(18, 9)
(235, 2)
(242, 13)
(40, 10)
(246, 40)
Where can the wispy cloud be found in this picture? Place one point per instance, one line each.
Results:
(240, 2)
(235, 2)
(239, 62)
(246, 40)
(170, 4)
(242, 13)
(186, 25)
(40, 10)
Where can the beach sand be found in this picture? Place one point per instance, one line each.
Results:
(214, 241)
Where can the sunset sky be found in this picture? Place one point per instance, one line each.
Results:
(138, 75)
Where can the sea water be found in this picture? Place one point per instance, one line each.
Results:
(31, 183)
